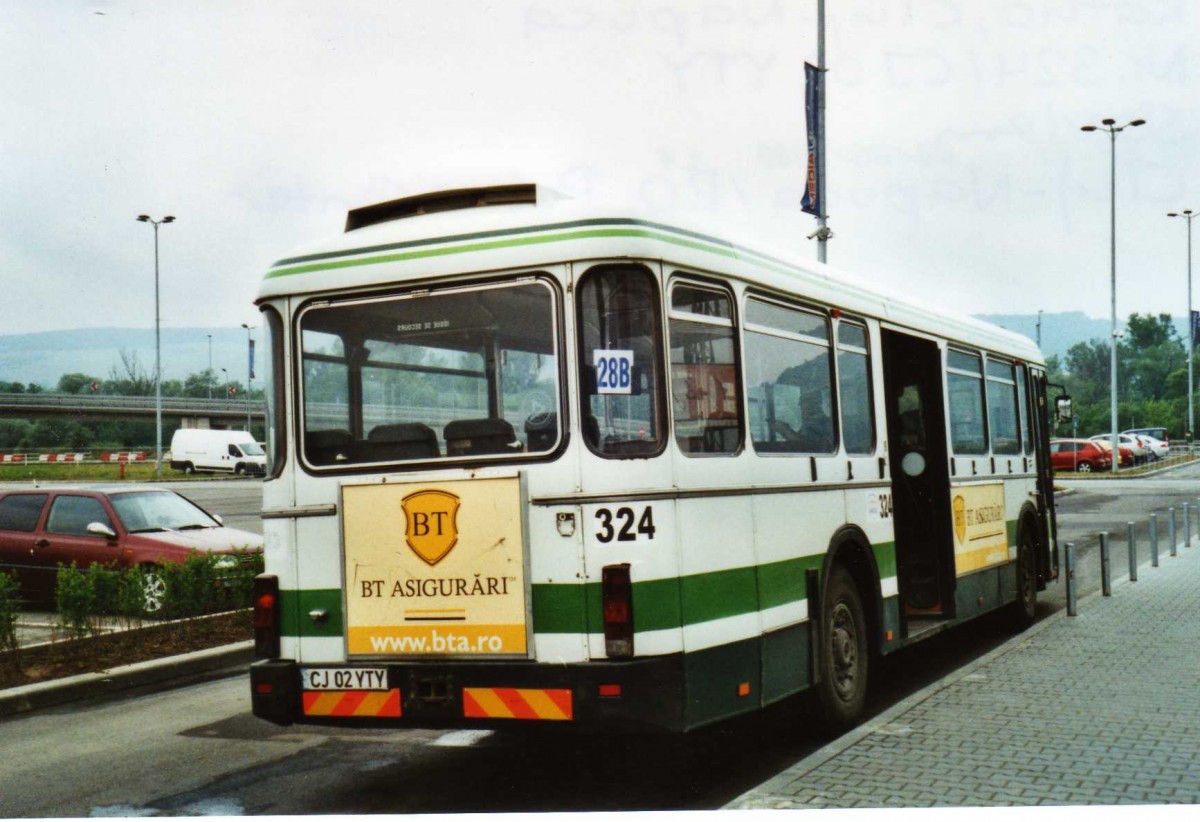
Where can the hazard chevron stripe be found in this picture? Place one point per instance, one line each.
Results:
(352, 703)
(517, 703)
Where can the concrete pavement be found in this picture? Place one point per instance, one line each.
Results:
(1097, 709)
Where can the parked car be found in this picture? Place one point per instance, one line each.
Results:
(1157, 449)
(1126, 454)
(1157, 433)
(1084, 456)
(120, 526)
(1135, 446)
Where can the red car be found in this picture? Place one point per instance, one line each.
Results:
(121, 526)
(1080, 455)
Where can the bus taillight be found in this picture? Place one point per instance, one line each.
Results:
(266, 616)
(617, 595)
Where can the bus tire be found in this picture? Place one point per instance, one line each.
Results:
(188, 468)
(1023, 609)
(843, 652)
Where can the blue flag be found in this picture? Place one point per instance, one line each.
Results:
(250, 370)
(811, 202)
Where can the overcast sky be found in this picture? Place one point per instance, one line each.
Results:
(957, 167)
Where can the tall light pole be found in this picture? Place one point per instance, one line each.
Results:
(145, 218)
(249, 368)
(210, 371)
(1109, 125)
(1189, 216)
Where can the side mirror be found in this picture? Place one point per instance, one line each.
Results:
(1062, 409)
(220, 520)
(99, 529)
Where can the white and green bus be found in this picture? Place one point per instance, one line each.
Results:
(535, 463)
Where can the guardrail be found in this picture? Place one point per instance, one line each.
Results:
(74, 457)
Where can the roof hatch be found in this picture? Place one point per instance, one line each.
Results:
(451, 200)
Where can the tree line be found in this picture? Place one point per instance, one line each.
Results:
(129, 379)
(1152, 379)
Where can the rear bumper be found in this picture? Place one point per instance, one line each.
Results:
(642, 695)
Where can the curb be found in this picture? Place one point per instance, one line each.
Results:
(103, 683)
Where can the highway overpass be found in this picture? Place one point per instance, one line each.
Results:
(192, 412)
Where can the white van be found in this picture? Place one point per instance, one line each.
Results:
(203, 449)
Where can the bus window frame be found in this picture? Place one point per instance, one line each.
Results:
(981, 376)
(830, 345)
(276, 411)
(659, 389)
(416, 289)
(838, 347)
(688, 279)
(1010, 380)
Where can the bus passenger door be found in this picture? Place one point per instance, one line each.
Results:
(1041, 424)
(917, 456)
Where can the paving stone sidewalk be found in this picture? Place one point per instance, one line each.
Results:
(1100, 709)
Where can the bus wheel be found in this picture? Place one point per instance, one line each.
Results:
(1024, 607)
(188, 468)
(843, 652)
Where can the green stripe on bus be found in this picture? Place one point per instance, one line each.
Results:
(513, 243)
(297, 605)
(658, 604)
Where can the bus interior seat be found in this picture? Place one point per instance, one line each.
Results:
(403, 441)
(488, 435)
(541, 430)
(325, 446)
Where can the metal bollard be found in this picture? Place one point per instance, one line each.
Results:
(1153, 540)
(1072, 602)
(1171, 531)
(1132, 555)
(1105, 566)
(1187, 525)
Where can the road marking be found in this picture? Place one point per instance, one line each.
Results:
(461, 739)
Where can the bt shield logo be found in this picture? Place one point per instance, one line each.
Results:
(960, 519)
(431, 526)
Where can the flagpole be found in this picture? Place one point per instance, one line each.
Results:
(823, 216)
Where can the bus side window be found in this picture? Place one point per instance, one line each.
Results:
(620, 340)
(790, 373)
(964, 380)
(705, 404)
(854, 386)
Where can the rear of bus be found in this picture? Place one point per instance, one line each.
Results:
(409, 580)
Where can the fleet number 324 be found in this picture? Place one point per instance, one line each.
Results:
(624, 524)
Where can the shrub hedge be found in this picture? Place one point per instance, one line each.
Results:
(202, 584)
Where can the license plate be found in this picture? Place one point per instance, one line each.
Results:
(343, 679)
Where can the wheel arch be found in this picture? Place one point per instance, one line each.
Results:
(850, 548)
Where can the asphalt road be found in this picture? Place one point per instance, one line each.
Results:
(196, 750)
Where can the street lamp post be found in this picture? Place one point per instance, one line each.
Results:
(145, 218)
(1109, 125)
(1189, 216)
(249, 368)
(225, 371)
(210, 371)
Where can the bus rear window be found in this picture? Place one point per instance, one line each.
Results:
(468, 373)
